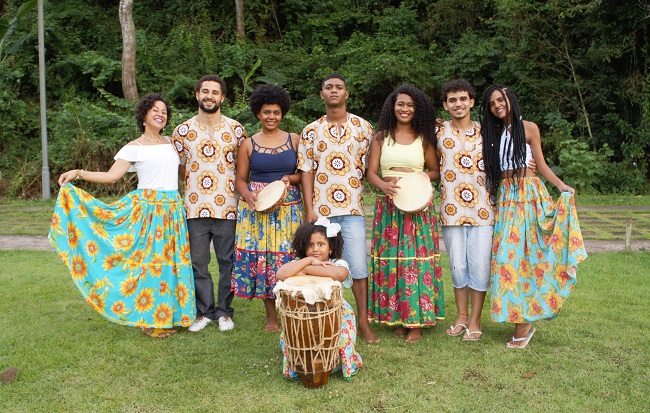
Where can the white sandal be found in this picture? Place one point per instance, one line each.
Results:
(453, 327)
(523, 340)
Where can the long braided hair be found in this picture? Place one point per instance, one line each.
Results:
(492, 129)
(424, 117)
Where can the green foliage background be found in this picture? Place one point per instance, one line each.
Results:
(568, 60)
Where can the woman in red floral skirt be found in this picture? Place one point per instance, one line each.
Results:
(406, 288)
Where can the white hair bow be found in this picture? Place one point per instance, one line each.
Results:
(330, 228)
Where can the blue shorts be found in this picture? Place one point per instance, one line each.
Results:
(470, 254)
(353, 229)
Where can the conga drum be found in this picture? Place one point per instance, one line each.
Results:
(414, 195)
(310, 310)
(271, 197)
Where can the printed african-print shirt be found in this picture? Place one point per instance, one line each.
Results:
(337, 158)
(209, 167)
(463, 196)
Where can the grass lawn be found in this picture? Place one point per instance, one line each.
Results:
(594, 357)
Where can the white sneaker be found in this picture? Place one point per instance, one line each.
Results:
(226, 323)
(199, 324)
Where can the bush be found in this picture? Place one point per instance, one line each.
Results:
(581, 167)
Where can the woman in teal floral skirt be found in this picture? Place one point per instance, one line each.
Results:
(130, 259)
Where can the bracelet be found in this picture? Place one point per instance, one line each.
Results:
(80, 174)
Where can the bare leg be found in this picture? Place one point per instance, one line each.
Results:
(474, 326)
(462, 304)
(360, 291)
(271, 315)
(400, 331)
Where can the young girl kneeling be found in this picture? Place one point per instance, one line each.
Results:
(319, 248)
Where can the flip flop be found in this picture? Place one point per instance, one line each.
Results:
(468, 335)
(523, 340)
(453, 327)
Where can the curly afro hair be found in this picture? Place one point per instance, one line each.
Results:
(270, 95)
(145, 104)
(424, 118)
(302, 237)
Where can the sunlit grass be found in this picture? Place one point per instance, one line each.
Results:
(592, 358)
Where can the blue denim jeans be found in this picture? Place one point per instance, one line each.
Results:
(353, 229)
(470, 254)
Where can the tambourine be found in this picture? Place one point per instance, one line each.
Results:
(415, 193)
(271, 197)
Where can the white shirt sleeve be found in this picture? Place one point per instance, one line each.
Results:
(347, 283)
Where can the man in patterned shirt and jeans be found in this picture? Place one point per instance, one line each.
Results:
(332, 156)
(207, 145)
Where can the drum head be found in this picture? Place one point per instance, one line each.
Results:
(414, 194)
(300, 280)
(270, 196)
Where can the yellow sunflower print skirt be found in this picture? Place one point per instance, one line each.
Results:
(129, 259)
(536, 249)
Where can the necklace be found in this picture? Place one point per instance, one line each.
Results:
(146, 138)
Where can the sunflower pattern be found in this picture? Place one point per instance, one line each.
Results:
(207, 151)
(118, 263)
(464, 163)
(210, 166)
(462, 178)
(207, 182)
(337, 164)
(339, 196)
(536, 248)
(466, 195)
(334, 156)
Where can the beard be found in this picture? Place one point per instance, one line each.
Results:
(214, 109)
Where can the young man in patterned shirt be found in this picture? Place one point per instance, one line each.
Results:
(466, 215)
(332, 156)
(207, 145)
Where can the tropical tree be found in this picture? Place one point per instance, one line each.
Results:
(129, 85)
(8, 28)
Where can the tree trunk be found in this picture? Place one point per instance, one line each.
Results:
(129, 86)
(239, 10)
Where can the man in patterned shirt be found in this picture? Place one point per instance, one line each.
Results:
(332, 156)
(207, 145)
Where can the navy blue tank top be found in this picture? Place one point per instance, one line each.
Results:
(271, 164)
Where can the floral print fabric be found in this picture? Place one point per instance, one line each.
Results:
(209, 167)
(337, 158)
(263, 244)
(463, 196)
(406, 287)
(130, 259)
(536, 248)
(350, 358)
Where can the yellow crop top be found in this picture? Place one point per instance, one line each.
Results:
(394, 155)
